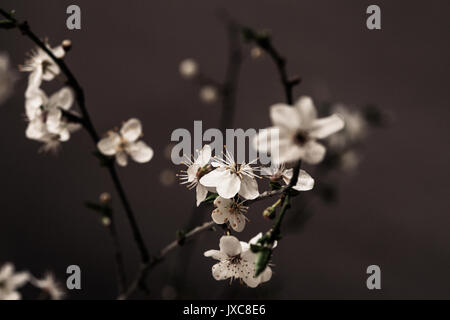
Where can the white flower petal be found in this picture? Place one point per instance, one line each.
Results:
(307, 112)
(34, 81)
(215, 254)
(256, 238)
(62, 99)
(220, 216)
(249, 188)
(324, 127)
(289, 152)
(314, 152)
(6, 271)
(140, 151)
(131, 130)
(12, 296)
(204, 156)
(54, 120)
(305, 182)
(229, 186)
(64, 134)
(230, 246)
(285, 116)
(220, 271)
(33, 103)
(192, 172)
(247, 274)
(109, 145)
(19, 279)
(223, 204)
(36, 129)
(201, 193)
(59, 52)
(237, 222)
(266, 275)
(122, 159)
(214, 178)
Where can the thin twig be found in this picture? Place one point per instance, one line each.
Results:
(235, 58)
(265, 43)
(145, 268)
(121, 273)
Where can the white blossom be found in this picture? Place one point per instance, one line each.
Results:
(279, 172)
(10, 281)
(230, 210)
(47, 123)
(50, 286)
(7, 78)
(41, 64)
(208, 94)
(298, 128)
(195, 170)
(126, 143)
(188, 68)
(230, 178)
(355, 128)
(237, 261)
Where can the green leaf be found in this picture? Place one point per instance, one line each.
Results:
(103, 210)
(94, 206)
(211, 198)
(255, 248)
(262, 260)
(7, 24)
(275, 185)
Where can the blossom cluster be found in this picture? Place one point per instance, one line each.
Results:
(47, 121)
(234, 185)
(11, 281)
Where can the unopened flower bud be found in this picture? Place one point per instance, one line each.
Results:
(188, 68)
(256, 52)
(269, 213)
(105, 198)
(208, 94)
(106, 221)
(67, 45)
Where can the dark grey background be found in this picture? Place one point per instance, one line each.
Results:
(394, 212)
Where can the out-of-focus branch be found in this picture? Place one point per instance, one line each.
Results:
(229, 89)
(264, 42)
(145, 268)
(121, 273)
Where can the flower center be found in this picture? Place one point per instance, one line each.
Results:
(301, 137)
(45, 65)
(204, 170)
(235, 208)
(235, 259)
(236, 168)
